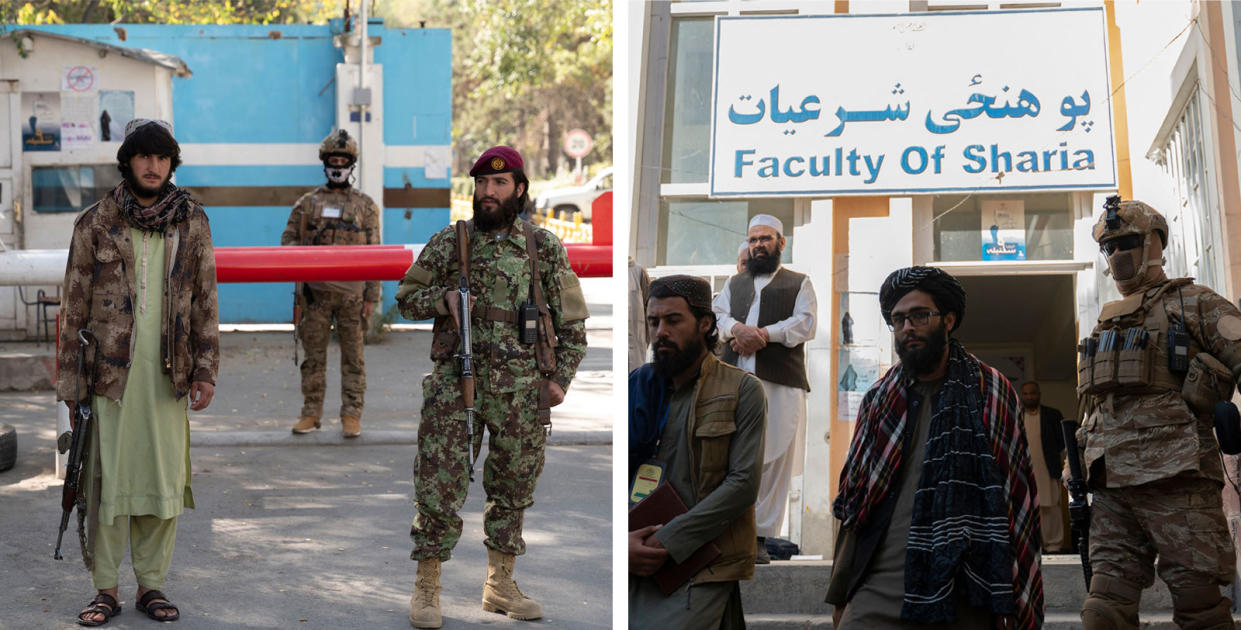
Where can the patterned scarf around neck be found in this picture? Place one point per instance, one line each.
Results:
(171, 208)
(974, 532)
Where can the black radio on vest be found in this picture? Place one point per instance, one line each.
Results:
(529, 323)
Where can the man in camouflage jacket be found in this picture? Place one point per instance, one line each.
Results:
(1149, 451)
(141, 277)
(507, 378)
(334, 214)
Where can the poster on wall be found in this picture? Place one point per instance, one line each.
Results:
(116, 109)
(858, 368)
(77, 127)
(40, 121)
(1004, 230)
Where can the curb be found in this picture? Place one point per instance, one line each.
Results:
(327, 437)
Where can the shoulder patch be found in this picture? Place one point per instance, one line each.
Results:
(1229, 327)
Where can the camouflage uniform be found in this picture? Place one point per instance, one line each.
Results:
(506, 381)
(328, 216)
(1150, 453)
(99, 294)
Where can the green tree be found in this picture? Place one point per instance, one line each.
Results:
(170, 11)
(527, 71)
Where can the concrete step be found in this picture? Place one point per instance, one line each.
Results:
(27, 371)
(797, 587)
(1052, 621)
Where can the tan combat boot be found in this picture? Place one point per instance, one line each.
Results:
(350, 426)
(500, 592)
(306, 425)
(424, 604)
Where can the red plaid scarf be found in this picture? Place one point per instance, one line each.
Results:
(948, 529)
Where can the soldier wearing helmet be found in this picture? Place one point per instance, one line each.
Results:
(333, 214)
(1150, 376)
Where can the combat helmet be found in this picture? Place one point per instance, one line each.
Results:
(1121, 218)
(1124, 234)
(339, 143)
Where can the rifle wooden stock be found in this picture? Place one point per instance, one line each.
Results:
(467, 352)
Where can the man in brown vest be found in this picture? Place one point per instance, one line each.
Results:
(767, 314)
(696, 424)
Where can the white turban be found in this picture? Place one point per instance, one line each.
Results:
(769, 221)
(745, 247)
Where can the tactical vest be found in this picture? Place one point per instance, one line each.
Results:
(712, 425)
(775, 363)
(1143, 421)
(334, 218)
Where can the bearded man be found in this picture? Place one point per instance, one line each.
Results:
(766, 315)
(695, 423)
(515, 270)
(940, 524)
(141, 276)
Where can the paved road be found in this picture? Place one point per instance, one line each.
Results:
(312, 531)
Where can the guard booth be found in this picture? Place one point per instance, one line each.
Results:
(249, 105)
(64, 102)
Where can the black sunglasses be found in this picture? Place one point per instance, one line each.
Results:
(1130, 241)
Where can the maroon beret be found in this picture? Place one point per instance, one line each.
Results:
(495, 160)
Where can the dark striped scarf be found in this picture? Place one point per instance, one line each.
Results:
(975, 512)
(171, 208)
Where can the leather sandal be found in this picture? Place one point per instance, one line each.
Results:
(148, 605)
(103, 604)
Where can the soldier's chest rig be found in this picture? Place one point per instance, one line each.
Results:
(1143, 345)
(333, 220)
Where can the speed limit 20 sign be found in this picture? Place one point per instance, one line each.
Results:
(577, 143)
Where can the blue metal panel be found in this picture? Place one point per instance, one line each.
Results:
(250, 175)
(415, 177)
(242, 227)
(417, 86)
(420, 225)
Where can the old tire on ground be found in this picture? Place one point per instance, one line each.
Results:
(8, 447)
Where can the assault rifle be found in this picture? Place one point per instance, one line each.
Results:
(1079, 509)
(78, 437)
(467, 353)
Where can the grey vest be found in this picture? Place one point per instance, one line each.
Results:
(776, 362)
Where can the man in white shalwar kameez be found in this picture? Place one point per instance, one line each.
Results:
(766, 315)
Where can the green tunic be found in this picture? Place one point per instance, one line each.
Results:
(142, 448)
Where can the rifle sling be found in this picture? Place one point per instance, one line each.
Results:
(536, 283)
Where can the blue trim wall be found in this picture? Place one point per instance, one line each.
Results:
(250, 87)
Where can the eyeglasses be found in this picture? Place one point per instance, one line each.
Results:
(1130, 241)
(917, 318)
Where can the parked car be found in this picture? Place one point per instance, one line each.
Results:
(566, 201)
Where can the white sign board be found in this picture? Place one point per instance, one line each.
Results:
(912, 103)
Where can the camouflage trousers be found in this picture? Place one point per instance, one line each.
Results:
(1181, 522)
(515, 449)
(315, 330)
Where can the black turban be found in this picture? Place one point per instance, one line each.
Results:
(947, 292)
(695, 290)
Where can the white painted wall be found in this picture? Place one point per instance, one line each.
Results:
(40, 71)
